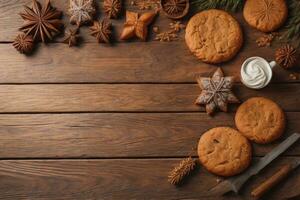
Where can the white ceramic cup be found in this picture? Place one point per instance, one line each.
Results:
(256, 72)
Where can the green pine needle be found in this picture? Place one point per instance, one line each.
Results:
(292, 27)
(229, 5)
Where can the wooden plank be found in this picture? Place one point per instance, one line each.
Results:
(123, 62)
(11, 21)
(118, 179)
(105, 135)
(145, 62)
(125, 97)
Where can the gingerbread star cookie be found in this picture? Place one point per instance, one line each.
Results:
(81, 11)
(216, 92)
(137, 26)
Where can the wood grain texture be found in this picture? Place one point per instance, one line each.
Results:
(145, 62)
(63, 123)
(118, 179)
(125, 97)
(122, 62)
(12, 21)
(105, 135)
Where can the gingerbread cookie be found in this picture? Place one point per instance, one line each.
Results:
(214, 36)
(265, 15)
(224, 151)
(260, 119)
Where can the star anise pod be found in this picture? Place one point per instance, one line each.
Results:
(144, 5)
(81, 11)
(148, 4)
(102, 30)
(71, 37)
(112, 8)
(41, 23)
(177, 26)
(175, 9)
(216, 92)
(136, 25)
(155, 29)
(286, 56)
(265, 40)
(23, 43)
(166, 36)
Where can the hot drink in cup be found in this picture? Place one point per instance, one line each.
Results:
(256, 72)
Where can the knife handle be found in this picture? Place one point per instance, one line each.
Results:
(271, 181)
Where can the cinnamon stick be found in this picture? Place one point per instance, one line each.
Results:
(271, 181)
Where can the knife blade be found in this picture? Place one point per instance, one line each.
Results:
(235, 183)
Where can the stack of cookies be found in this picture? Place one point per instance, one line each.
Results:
(225, 151)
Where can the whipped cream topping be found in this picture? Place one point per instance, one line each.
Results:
(256, 73)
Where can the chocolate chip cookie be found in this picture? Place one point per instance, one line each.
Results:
(260, 119)
(224, 151)
(214, 36)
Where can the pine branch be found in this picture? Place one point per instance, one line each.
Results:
(292, 27)
(229, 5)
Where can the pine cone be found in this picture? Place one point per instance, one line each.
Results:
(286, 56)
(23, 43)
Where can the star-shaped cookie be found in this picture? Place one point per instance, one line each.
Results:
(136, 25)
(216, 92)
(81, 11)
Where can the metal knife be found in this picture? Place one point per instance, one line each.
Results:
(235, 183)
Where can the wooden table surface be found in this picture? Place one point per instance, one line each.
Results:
(109, 122)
